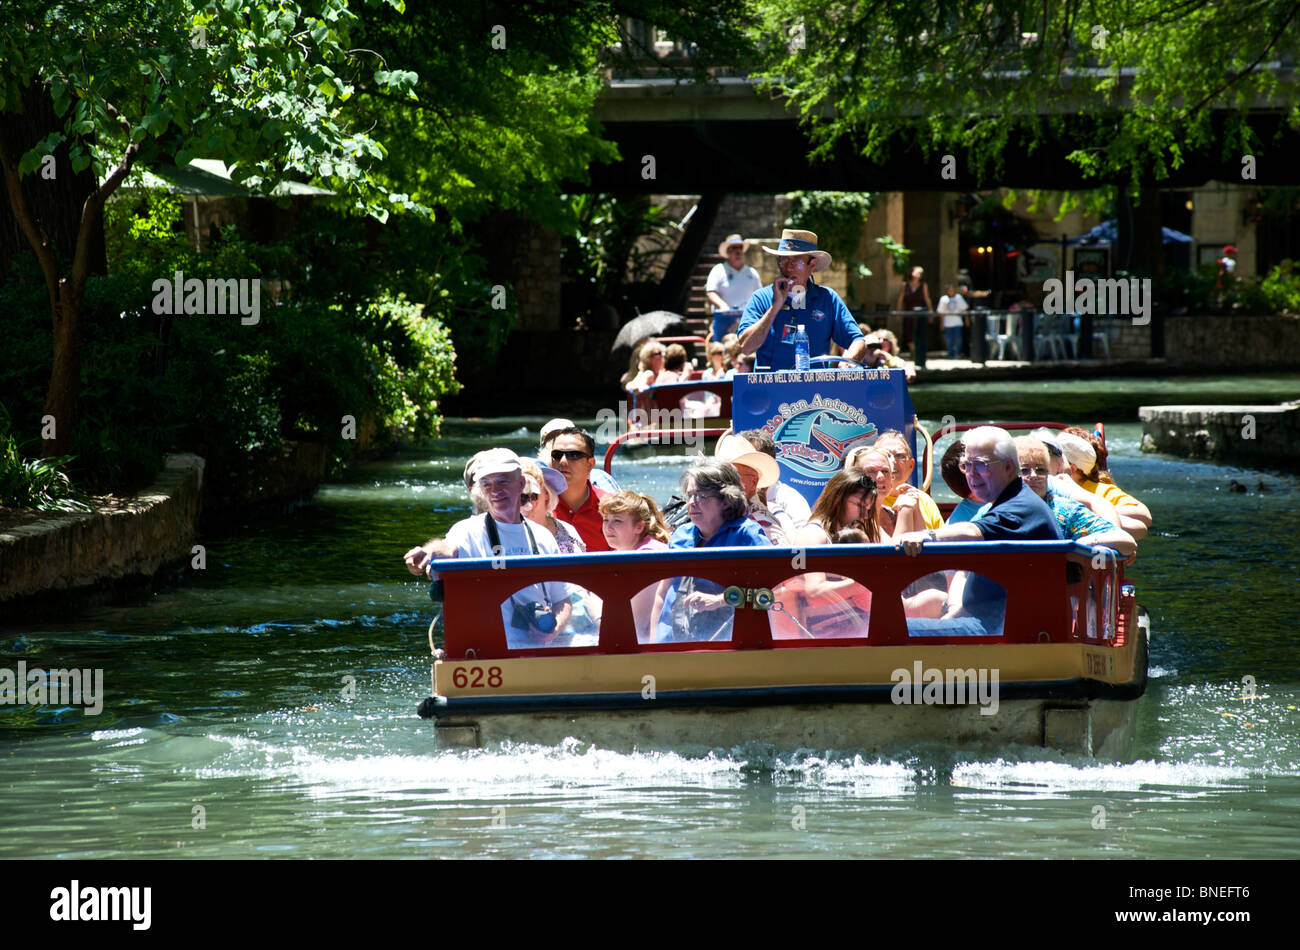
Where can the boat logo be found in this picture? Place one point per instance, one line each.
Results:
(813, 436)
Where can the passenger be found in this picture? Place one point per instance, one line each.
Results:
(651, 367)
(953, 477)
(632, 522)
(634, 364)
(538, 614)
(880, 467)
(878, 356)
(1080, 455)
(572, 451)
(896, 444)
(717, 368)
(715, 502)
(757, 471)
(975, 605)
(1061, 482)
(675, 368)
(1075, 521)
(847, 501)
(542, 488)
(795, 505)
(993, 473)
(599, 477)
(768, 325)
(817, 604)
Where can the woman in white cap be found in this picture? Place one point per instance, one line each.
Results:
(542, 487)
(1086, 469)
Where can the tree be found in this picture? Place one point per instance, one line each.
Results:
(261, 84)
(1134, 86)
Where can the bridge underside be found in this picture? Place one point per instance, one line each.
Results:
(770, 155)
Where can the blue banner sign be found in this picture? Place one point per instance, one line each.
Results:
(817, 417)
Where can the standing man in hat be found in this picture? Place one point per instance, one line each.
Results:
(730, 283)
(774, 312)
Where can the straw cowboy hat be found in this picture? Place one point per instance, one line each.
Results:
(730, 240)
(794, 243)
(738, 451)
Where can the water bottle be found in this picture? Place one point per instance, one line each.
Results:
(801, 360)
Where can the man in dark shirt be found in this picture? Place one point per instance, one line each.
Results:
(992, 471)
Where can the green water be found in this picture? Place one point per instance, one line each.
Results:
(227, 694)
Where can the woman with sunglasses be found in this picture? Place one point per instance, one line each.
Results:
(539, 501)
(905, 514)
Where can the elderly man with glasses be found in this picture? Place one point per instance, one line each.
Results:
(573, 452)
(992, 471)
(774, 312)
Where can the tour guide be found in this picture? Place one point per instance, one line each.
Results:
(775, 311)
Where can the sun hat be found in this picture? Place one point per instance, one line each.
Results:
(793, 243)
(554, 426)
(1049, 438)
(1077, 451)
(555, 479)
(738, 451)
(495, 462)
(730, 240)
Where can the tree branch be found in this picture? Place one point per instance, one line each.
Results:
(23, 215)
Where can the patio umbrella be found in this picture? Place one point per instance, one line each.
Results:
(1106, 233)
(647, 324)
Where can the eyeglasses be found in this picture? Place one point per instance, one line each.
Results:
(571, 454)
(530, 496)
(1036, 470)
(979, 466)
(693, 497)
(798, 262)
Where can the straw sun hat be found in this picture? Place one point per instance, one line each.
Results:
(794, 243)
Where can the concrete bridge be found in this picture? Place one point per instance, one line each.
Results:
(725, 136)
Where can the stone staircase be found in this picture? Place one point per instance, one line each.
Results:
(697, 304)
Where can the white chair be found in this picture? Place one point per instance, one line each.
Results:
(1100, 335)
(1049, 335)
(1002, 333)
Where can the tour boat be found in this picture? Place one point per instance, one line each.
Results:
(1056, 657)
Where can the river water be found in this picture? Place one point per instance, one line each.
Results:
(267, 707)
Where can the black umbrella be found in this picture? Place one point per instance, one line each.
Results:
(647, 324)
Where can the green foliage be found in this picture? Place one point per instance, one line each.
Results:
(263, 84)
(1133, 85)
(837, 218)
(1281, 288)
(900, 254)
(412, 359)
(34, 483)
(603, 250)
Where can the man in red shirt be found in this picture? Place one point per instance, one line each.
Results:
(573, 452)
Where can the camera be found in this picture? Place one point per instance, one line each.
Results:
(534, 615)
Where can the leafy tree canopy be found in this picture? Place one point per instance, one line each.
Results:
(1134, 85)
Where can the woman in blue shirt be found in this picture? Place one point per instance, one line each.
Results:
(692, 608)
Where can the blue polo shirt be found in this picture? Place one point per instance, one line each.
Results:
(1018, 515)
(742, 532)
(824, 317)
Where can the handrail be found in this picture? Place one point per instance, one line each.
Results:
(681, 434)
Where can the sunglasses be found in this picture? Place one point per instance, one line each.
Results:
(530, 496)
(571, 454)
(979, 466)
(1035, 470)
(867, 484)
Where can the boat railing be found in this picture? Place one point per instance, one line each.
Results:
(1055, 592)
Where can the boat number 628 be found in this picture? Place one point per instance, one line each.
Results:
(473, 677)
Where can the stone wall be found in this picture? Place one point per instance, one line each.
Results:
(1234, 340)
(525, 257)
(1248, 435)
(54, 553)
